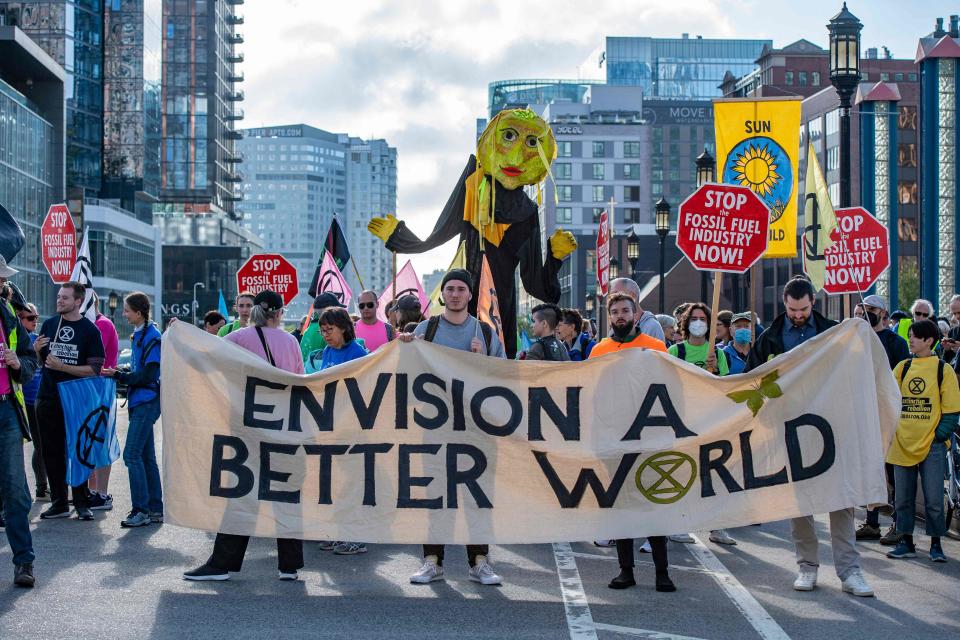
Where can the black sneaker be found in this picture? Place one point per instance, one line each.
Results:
(55, 511)
(83, 513)
(3, 523)
(206, 572)
(23, 575)
(42, 495)
(100, 502)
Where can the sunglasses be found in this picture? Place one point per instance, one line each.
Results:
(366, 305)
(921, 314)
(30, 318)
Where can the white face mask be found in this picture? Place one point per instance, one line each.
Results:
(698, 328)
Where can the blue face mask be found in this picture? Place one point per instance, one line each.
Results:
(741, 336)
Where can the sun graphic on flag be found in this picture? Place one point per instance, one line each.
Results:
(756, 167)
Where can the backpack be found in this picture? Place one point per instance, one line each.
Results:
(434, 322)
(906, 367)
(547, 351)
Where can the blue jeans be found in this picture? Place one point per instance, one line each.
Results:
(932, 470)
(141, 458)
(13, 485)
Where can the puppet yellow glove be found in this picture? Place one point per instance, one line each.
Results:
(562, 244)
(383, 228)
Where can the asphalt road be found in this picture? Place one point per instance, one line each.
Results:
(96, 580)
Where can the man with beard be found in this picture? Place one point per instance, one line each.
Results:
(457, 329)
(790, 329)
(624, 332)
(646, 322)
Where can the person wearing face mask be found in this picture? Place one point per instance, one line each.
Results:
(738, 348)
(695, 323)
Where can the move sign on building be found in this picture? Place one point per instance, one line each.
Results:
(269, 271)
(859, 254)
(58, 243)
(723, 227)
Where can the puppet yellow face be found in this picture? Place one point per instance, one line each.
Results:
(508, 151)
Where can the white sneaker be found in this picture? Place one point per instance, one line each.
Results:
(288, 575)
(429, 572)
(806, 579)
(720, 536)
(483, 573)
(604, 543)
(683, 538)
(645, 547)
(857, 585)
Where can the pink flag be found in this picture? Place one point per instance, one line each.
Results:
(332, 281)
(407, 283)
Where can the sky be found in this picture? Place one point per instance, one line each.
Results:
(416, 72)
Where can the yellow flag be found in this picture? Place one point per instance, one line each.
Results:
(488, 306)
(819, 221)
(459, 262)
(757, 148)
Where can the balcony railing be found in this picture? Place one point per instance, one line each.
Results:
(235, 38)
(235, 77)
(233, 177)
(234, 96)
(235, 2)
(236, 115)
(236, 158)
(230, 134)
(235, 58)
(234, 18)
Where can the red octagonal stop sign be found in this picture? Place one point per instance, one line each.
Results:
(723, 227)
(58, 243)
(269, 271)
(859, 254)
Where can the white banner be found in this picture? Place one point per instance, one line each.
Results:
(419, 443)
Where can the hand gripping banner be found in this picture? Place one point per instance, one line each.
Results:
(418, 443)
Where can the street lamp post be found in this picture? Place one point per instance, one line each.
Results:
(614, 269)
(844, 29)
(633, 252)
(195, 285)
(663, 228)
(113, 301)
(706, 172)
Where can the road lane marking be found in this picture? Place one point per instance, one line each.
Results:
(756, 615)
(575, 605)
(642, 633)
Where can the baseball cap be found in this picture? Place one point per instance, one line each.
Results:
(875, 301)
(408, 302)
(746, 315)
(326, 299)
(268, 300)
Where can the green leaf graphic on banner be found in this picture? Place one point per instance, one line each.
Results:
(767, 388)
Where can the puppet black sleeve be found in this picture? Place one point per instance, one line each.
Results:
(541, 280)
(449, 224)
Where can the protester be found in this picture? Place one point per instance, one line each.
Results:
(28, 318)
(545, 345)
(457, 329)
(646, 322)
(931, 402)
(69, 348)
(375, 332)
(951, 344)
(339, 333)
(920, 310)
(243, 306)
(143, 401)
(312, 340)
(669, 326)
(896, 317)
(407, 310)
(944, 327)
(738, 348)
(213, 321)
(298, 331)
(724, 318)
(99, 482)
(17, 365)
(621, 309)
(797, 324)
(570, 331)
(265, 339)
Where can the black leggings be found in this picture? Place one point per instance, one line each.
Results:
(229, 549)
(39, 471)
(658, 544)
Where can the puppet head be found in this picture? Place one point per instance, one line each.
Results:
(516, 148)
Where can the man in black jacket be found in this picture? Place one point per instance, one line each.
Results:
(796, 325)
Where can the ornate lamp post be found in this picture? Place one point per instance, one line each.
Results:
(633, 252)
(663, 228)
(614, 269)
(844, 29)
(113, 301)
(706, 172)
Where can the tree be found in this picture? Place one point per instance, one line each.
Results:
(909, 282)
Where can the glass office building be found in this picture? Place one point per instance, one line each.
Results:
(678, 68)
(517, 94)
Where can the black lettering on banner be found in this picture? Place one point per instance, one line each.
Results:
(268, 475)
(670, 417)
(716, 465)
(303, 397)
(233, 465)
(400, 391)
(606, 497)
(370, 452)
(799, 472)
(516, 411)
(538, 398)
(367, 413)
(420, 393)
(750, 479)
(250, 406)
(467, 477)
(405, 481)
(456, 389)
(326, 453)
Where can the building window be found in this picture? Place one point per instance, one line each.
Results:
(631, 171)
(631, 215)
(599, 149)
(564, 215)
(906, 230)
(907, 155)
(788, 78)
(833, 122)
(884, 77)
(596, 212)
(565, 149)
(632, 149)
(898, 77)
(591, 257)
(598, 171)
(563, 171)
(565, 193)
(656, 189)
(907, 192)
(815, 78)
(802, 78)
(864, 76)
(598, 193)
(631, 194)
(912, 77)
(907, 118)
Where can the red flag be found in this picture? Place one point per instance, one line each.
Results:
(332, 281)
(407, 284)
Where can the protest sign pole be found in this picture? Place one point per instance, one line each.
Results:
(394, 275)
(753, 303)
(714, 310)
(360, 280)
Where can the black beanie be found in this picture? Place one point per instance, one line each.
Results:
(458, 274)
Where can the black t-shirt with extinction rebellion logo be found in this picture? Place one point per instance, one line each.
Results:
(75, 342)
